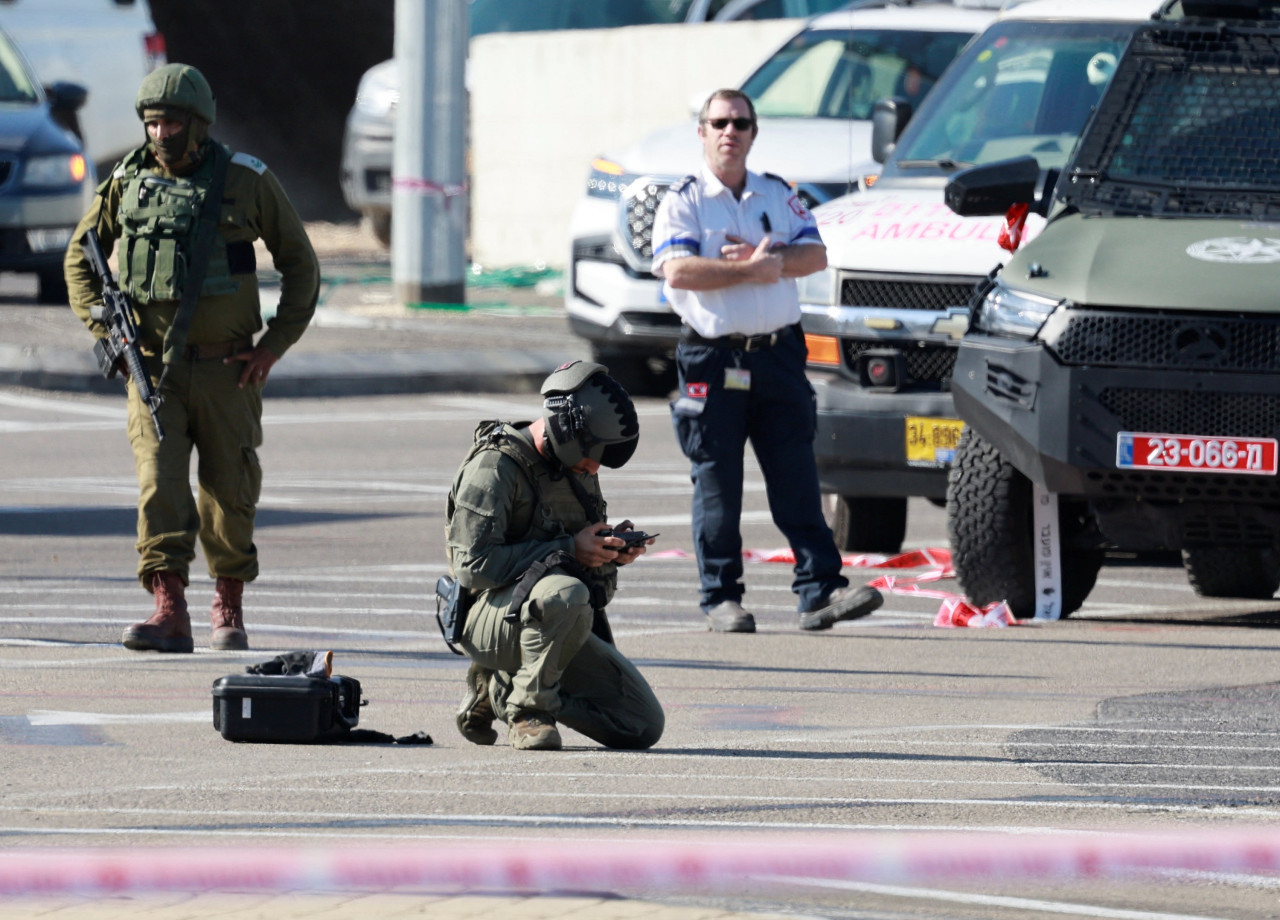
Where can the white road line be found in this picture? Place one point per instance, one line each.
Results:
(495, 820)
(49, 404)
(986, 900)
(53, 717)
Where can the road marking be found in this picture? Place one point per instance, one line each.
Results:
(55, 717)
(985, 900)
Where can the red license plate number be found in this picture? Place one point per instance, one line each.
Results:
(1141, 451)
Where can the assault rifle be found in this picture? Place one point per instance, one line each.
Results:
(121, 340)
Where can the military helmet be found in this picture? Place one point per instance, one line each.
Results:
(589, 416)
(177, 86)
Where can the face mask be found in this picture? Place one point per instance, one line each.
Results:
(173, 148)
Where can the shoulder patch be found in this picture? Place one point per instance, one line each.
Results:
(777, 178)
(682, 184)
(252, 162)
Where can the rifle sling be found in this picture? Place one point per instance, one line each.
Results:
(175, 339)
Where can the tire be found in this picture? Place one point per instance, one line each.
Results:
(866, 524)
(989, 521)
(640, 374)
(51, 287)
(1233, 571)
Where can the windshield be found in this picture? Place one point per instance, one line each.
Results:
(538, 15)
(1191, 126)
(15, 85)
(1021, 88)
(841, 73)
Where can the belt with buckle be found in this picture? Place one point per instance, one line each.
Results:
(736, 340)
(207, 351)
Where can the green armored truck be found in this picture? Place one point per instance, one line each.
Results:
(1120, 379)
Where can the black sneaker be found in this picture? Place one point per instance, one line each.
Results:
(848, 603)
(475, 715)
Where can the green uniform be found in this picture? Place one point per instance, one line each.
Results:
(508, 510)
(151, 214)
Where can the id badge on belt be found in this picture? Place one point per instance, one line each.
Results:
(737, 378)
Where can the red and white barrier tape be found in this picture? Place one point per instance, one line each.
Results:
(955, 610)
(652, 866)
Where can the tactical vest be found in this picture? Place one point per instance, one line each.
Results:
(557, 511)
(158, 216)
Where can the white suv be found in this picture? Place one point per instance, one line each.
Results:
(814, 98)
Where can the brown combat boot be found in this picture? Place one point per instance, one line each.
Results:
(227, 617)
(475, 715)
(533, 731)
(169, 628)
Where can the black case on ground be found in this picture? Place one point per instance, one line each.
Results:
(294, 709)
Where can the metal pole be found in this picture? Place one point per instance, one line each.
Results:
(429, 181)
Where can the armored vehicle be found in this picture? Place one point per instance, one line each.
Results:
(1118, 381)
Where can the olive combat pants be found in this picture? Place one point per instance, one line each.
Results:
(551, 662)
(203, 408)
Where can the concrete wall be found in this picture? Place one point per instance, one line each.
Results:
(544, 104)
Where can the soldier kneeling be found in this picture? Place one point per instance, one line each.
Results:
(524, 517)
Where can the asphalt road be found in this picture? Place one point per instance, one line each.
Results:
(1151, 710)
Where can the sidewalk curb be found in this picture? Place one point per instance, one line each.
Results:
(370, 373)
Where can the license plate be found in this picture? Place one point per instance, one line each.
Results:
(932, 441)
(1141, 451)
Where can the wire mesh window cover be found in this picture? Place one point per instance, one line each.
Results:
(1190, 125)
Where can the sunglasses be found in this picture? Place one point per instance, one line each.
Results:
(742, 124)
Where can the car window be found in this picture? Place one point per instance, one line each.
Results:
(15, 85)
(782, 9)
(539, 15)
(841, 73)
(1023, 88)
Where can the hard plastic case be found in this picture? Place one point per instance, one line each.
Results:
(288, 709)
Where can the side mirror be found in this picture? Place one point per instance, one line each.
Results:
(66, 97)
(888, 119)
(984, 191)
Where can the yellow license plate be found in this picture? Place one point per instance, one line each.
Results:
(932, 441)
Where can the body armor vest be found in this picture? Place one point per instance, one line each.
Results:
(557, 511)
(158, 216)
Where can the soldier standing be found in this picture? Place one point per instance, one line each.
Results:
(525, 515)
(186, 212)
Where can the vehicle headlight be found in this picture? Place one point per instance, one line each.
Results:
(819, 288)
(378, 93)
(1005, 311)
(54, 171)
(607, 179)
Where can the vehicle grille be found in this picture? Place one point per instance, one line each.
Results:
(1195, 487)
(1208, 342)
(905, 294)
(927, 363)
(639, 205)
(1242, 415)
(7, 165)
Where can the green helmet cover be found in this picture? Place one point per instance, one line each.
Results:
(177, 86)
(589, 415)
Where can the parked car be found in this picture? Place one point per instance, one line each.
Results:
(107, 46)
(883, 322)
(46, 182)
(1118, 381)
(813, 98)
(368, 145)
